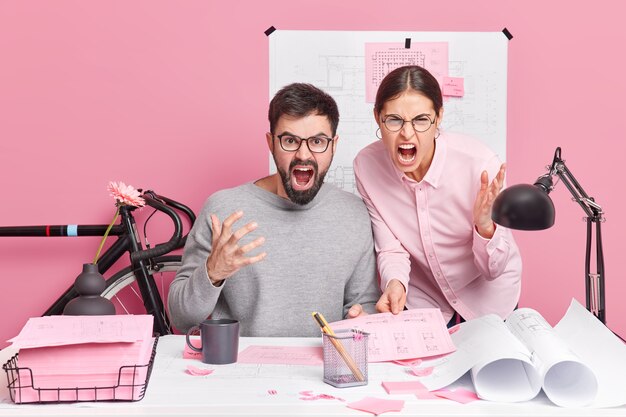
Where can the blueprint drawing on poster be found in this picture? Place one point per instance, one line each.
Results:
(336, 62)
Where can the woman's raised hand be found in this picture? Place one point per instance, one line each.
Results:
(484, 202)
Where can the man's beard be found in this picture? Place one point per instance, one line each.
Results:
(306, 196)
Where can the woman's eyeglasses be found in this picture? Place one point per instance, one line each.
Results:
(395, 123)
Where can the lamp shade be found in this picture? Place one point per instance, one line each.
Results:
(523, 207)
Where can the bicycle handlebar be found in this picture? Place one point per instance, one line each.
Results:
(164, 204)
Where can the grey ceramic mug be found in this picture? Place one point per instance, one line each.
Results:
(220, 340)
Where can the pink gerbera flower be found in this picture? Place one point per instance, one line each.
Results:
(124, 195)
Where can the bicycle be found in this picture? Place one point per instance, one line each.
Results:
(145, 263)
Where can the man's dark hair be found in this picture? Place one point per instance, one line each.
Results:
(300, 100)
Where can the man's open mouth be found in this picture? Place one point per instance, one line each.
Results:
(406, 153)
(302, 177)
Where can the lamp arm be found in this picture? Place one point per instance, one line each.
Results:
(592, 209)
(594, 282)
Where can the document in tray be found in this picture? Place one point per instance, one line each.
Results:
(81, 352)
(417, 333)
(513, 360)
(71, 330)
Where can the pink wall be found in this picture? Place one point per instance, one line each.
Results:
(172, 96)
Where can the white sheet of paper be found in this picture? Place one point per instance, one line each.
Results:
(486, 347)
(600, 349)
(578, 363)
(566, 379)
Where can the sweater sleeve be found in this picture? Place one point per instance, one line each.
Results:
(192, 296)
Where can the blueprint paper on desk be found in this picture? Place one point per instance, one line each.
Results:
(577, 363)
(417, 333)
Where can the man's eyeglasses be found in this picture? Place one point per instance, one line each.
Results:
(420, 123)
(291, 143)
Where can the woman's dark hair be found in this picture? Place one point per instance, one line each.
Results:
(299, 100)
(411, 77)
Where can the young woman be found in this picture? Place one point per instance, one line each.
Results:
(429, 199)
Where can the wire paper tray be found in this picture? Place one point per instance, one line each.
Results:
(132, 382)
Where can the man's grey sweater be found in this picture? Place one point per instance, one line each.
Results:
(320, 257)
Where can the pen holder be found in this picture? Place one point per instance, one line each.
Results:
(345, 358)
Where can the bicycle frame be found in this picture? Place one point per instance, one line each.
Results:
(128, 241)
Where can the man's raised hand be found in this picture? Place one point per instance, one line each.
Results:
(227, 256)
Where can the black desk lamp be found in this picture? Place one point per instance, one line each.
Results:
(528, 207)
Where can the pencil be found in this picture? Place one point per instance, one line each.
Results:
(319, 318)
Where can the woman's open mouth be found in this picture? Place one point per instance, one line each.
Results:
(406, 153)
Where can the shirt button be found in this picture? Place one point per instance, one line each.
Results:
(453, 301)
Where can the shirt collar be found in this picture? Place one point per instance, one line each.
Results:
(433, 175)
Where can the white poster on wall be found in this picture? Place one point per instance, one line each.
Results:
(470, 66)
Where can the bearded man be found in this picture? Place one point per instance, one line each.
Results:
(289, 244)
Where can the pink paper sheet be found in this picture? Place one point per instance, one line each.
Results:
(83, 366)
(82, 353)
(460, 395)
(417, 333)
(377, 406)
(192, 354)
(71, 330)
(382, 58)
(453, 86)
(403, 387)
(287, 355)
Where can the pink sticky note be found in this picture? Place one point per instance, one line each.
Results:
(377, 406)
(192, 354)
(460, 395)
(195, 371)
(421, 371)
(454, 329)
(403, 387)
(408, 362)
(426, 395)
(453, 86)
(310, 396)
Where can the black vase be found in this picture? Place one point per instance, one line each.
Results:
(89, 285)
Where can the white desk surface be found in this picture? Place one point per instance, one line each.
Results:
(242, 390)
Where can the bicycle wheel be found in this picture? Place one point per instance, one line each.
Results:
(122, 287)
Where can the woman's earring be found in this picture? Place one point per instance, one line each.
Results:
(379, 133)
(438, 133)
